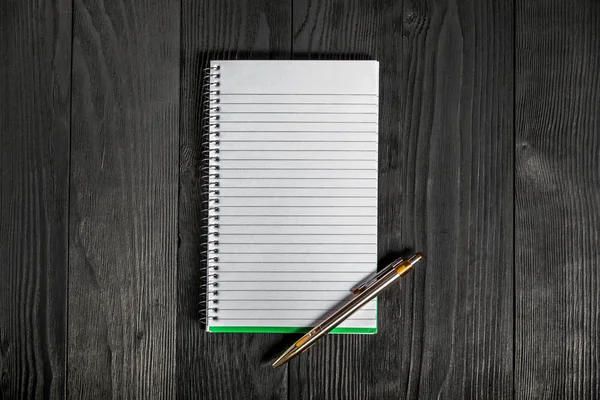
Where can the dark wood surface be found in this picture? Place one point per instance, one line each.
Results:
(557, 202)
(489, 149)
(35, 92)
(123, 200)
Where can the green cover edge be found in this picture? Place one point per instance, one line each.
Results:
(284, 329)
(287, 329)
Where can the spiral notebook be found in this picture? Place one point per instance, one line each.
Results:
(292, 192)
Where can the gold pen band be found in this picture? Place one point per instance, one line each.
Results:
(405, 267)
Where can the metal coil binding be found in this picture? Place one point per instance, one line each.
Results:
(210, 191)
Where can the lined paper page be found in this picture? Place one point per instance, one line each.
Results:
(297, 215)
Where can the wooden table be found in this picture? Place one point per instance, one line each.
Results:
(489, 164)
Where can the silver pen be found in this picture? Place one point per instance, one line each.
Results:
(364, 293)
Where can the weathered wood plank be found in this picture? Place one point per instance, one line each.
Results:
(218, 366)
(558, 199)
(35, 78)
(123, 228)
(446, 188)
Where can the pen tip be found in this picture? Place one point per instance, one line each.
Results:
(281, 360)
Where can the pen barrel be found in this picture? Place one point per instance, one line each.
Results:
(393, 272)
(398, 270)
(351, 307)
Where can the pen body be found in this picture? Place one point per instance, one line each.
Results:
(350, 308)
(365, 293)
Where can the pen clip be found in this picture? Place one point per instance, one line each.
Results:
(371, 280)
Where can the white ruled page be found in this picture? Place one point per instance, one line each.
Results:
(297, 178)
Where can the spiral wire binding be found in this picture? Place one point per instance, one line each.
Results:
(210, 192)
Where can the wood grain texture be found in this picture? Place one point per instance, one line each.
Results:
(446, 188)
(35, 54)
(218, 366)
(558, 199)
(123, 228)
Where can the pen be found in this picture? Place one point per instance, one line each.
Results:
(364, 293)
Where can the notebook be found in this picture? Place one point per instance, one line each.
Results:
(292, 192)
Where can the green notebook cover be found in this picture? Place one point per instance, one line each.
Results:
(273, 329)
(283, 329)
